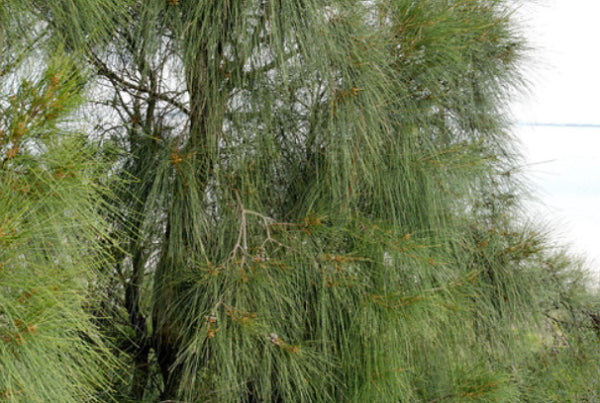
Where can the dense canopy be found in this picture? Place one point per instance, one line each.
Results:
(270, 200)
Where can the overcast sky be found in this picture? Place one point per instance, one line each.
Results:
(565, 84)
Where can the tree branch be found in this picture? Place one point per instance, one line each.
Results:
(118, 80)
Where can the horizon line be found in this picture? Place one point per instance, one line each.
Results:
(565, 124)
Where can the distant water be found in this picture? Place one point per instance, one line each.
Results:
(564, 164)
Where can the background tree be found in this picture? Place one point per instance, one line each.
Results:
(321, 203)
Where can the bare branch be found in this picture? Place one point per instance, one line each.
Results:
(118, 81)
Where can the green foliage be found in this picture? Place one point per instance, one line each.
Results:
(50, 231)
(315, 201)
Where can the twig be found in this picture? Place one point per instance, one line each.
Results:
(242, 238)
(116, 79)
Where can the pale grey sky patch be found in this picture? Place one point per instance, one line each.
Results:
(559, 123)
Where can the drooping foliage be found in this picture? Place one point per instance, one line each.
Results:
(315, 201)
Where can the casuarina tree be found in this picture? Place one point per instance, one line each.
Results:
(279, 201)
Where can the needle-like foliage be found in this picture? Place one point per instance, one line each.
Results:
(316, 201)
(51, 231)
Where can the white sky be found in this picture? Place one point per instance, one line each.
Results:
(565, 79)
